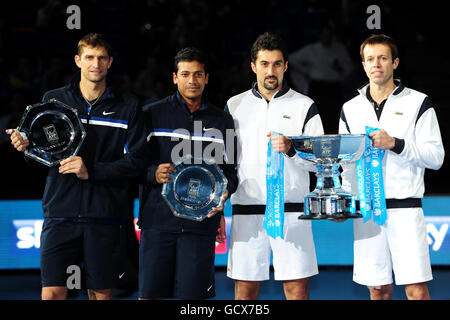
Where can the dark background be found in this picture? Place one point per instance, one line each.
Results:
(37, 50)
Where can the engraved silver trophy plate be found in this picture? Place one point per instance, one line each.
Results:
(196, 186)
(54, 130)
(327, 153)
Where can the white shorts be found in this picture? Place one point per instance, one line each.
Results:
(400, 245)
(294, 257)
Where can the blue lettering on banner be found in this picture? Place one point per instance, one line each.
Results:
(371, 191)
(274, 213)
(376, 189)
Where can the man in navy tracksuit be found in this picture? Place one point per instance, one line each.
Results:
(176, 254)
(85, 201)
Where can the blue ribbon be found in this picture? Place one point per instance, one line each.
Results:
(274, 214)
(369, 172)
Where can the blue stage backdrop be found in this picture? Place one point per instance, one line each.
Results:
(21, 226)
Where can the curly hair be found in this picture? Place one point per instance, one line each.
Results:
(268, 41)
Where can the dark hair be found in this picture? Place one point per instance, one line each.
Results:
(94, 40)
(380, 39)
(268, 41)
(190, 54)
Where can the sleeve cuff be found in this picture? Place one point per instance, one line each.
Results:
(151, 174)
(398, 146)
(91, 172)
(291, 152)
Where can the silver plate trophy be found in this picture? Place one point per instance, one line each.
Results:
(196, 186)
(54, 130)
(327, 153)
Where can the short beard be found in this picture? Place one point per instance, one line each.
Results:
(271, 87)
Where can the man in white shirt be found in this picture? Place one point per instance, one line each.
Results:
(270, 106)
(409, 133)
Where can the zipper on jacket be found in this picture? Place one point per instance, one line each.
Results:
(390, 97)
(267, 116)
(81, 181)
(191, 131)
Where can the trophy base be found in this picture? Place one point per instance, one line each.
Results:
(336, 216)
(330, 206)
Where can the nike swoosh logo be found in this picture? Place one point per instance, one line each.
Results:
(209, 288)
(121, 275)
(208, 129)
(108, 113)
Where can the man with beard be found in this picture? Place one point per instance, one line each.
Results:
(270, 111)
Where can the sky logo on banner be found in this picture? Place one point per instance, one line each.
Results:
(438, 233)
(27, 234)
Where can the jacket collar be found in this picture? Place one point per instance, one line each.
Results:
(285, 88)
(400, 88)
(180, 102)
